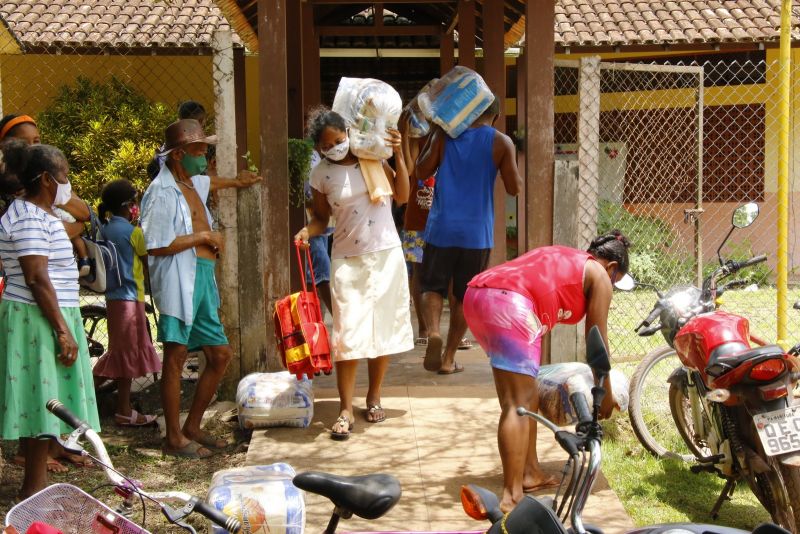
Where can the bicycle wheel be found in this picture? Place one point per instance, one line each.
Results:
(649, 407)
(95, 326)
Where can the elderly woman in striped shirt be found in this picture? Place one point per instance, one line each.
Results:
(43, 352)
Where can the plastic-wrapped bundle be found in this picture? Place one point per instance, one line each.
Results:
(262, 497)
(274, 399)
(456, 100)
(419, 123)
(369, 107)
(559, 380)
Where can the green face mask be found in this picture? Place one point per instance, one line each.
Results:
(194, 165)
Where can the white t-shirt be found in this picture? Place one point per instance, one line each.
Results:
(27, 230)
(362, 226)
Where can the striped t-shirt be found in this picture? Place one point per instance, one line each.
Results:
(27, 230)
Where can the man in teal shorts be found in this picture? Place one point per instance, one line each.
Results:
(183, 250)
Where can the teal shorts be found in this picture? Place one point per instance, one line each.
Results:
(206, 329)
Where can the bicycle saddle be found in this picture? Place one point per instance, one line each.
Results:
(368, 496)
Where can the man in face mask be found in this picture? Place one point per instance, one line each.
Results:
(183, 247)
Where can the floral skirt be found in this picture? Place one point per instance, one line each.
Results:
(30, 373)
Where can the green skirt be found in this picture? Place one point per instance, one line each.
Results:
(30, 373)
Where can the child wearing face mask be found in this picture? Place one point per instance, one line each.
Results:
(130, 349)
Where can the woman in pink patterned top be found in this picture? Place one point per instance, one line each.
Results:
(527, 297)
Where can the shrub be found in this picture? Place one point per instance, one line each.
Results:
(651, 261)
(108, 130)
(299, 169)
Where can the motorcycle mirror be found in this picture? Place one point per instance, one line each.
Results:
(596, 353)
(744, 215)
(626, 283)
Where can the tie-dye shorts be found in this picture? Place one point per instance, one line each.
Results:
(505, 324)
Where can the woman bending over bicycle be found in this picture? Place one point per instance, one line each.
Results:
(527, 297)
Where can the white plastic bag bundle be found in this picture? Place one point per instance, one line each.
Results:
(369, 108)
(418, 122)
(261, 497)
(456, 100)
(274, 399)
(560, 380)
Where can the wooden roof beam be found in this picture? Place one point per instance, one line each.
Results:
(328, 2)
(403, 30)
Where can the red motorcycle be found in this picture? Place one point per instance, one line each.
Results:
(731, 398)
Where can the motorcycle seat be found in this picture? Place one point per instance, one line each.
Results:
(368, 496)
(729, 356)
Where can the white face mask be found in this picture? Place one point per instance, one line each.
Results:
(63, 194)
(338, 152)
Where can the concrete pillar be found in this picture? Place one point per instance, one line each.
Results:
(228, 267)
(588, 148)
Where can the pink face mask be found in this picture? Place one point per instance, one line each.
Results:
(133, 209)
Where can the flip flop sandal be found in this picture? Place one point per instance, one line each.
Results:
(421, 341)
(457, 368)
(547, 484)
(341, 422)
(53, 465)
(191, 450)
(433, 354)
(210, 442)
(133, 419)
(375, 413)
(465, 344)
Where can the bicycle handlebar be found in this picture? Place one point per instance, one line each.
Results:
(58, 409)
(581, 407)
(220, 518)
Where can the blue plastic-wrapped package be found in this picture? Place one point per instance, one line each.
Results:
(274, 399)
(262, 497)
(456, 100)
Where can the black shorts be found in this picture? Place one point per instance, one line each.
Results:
(441, 265)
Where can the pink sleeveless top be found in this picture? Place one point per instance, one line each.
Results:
(552, 277)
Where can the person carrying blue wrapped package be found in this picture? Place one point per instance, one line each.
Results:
(459, 234)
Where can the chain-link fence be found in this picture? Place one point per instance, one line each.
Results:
(105, 103)
(664, 153)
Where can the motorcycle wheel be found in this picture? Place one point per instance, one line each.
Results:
(681, 410)
(791, 481)
(778, 493)
(649, 406)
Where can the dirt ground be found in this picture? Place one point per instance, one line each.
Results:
(136, 452)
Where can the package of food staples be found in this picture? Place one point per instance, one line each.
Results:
(456, 100)
(369, 107)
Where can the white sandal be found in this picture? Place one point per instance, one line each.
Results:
(133, 419)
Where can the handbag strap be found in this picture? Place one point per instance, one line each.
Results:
(297, 246)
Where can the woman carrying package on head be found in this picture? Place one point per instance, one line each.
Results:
(525, 298)
(369, 284)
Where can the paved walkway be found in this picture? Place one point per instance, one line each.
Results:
(440, 433)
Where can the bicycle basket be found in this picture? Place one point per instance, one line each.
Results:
(71, 510)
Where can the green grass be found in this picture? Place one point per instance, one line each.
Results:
(665, 491)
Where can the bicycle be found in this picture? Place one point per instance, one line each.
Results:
(72, 510)
(95, 326)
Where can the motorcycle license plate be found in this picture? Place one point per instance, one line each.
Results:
(779, 430)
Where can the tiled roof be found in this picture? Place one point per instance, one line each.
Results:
(112, 23)
(589, 23)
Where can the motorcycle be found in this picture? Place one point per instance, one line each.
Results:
(584, 447)
(731, 398)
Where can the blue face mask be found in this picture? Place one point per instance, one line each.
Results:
(194, 165)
